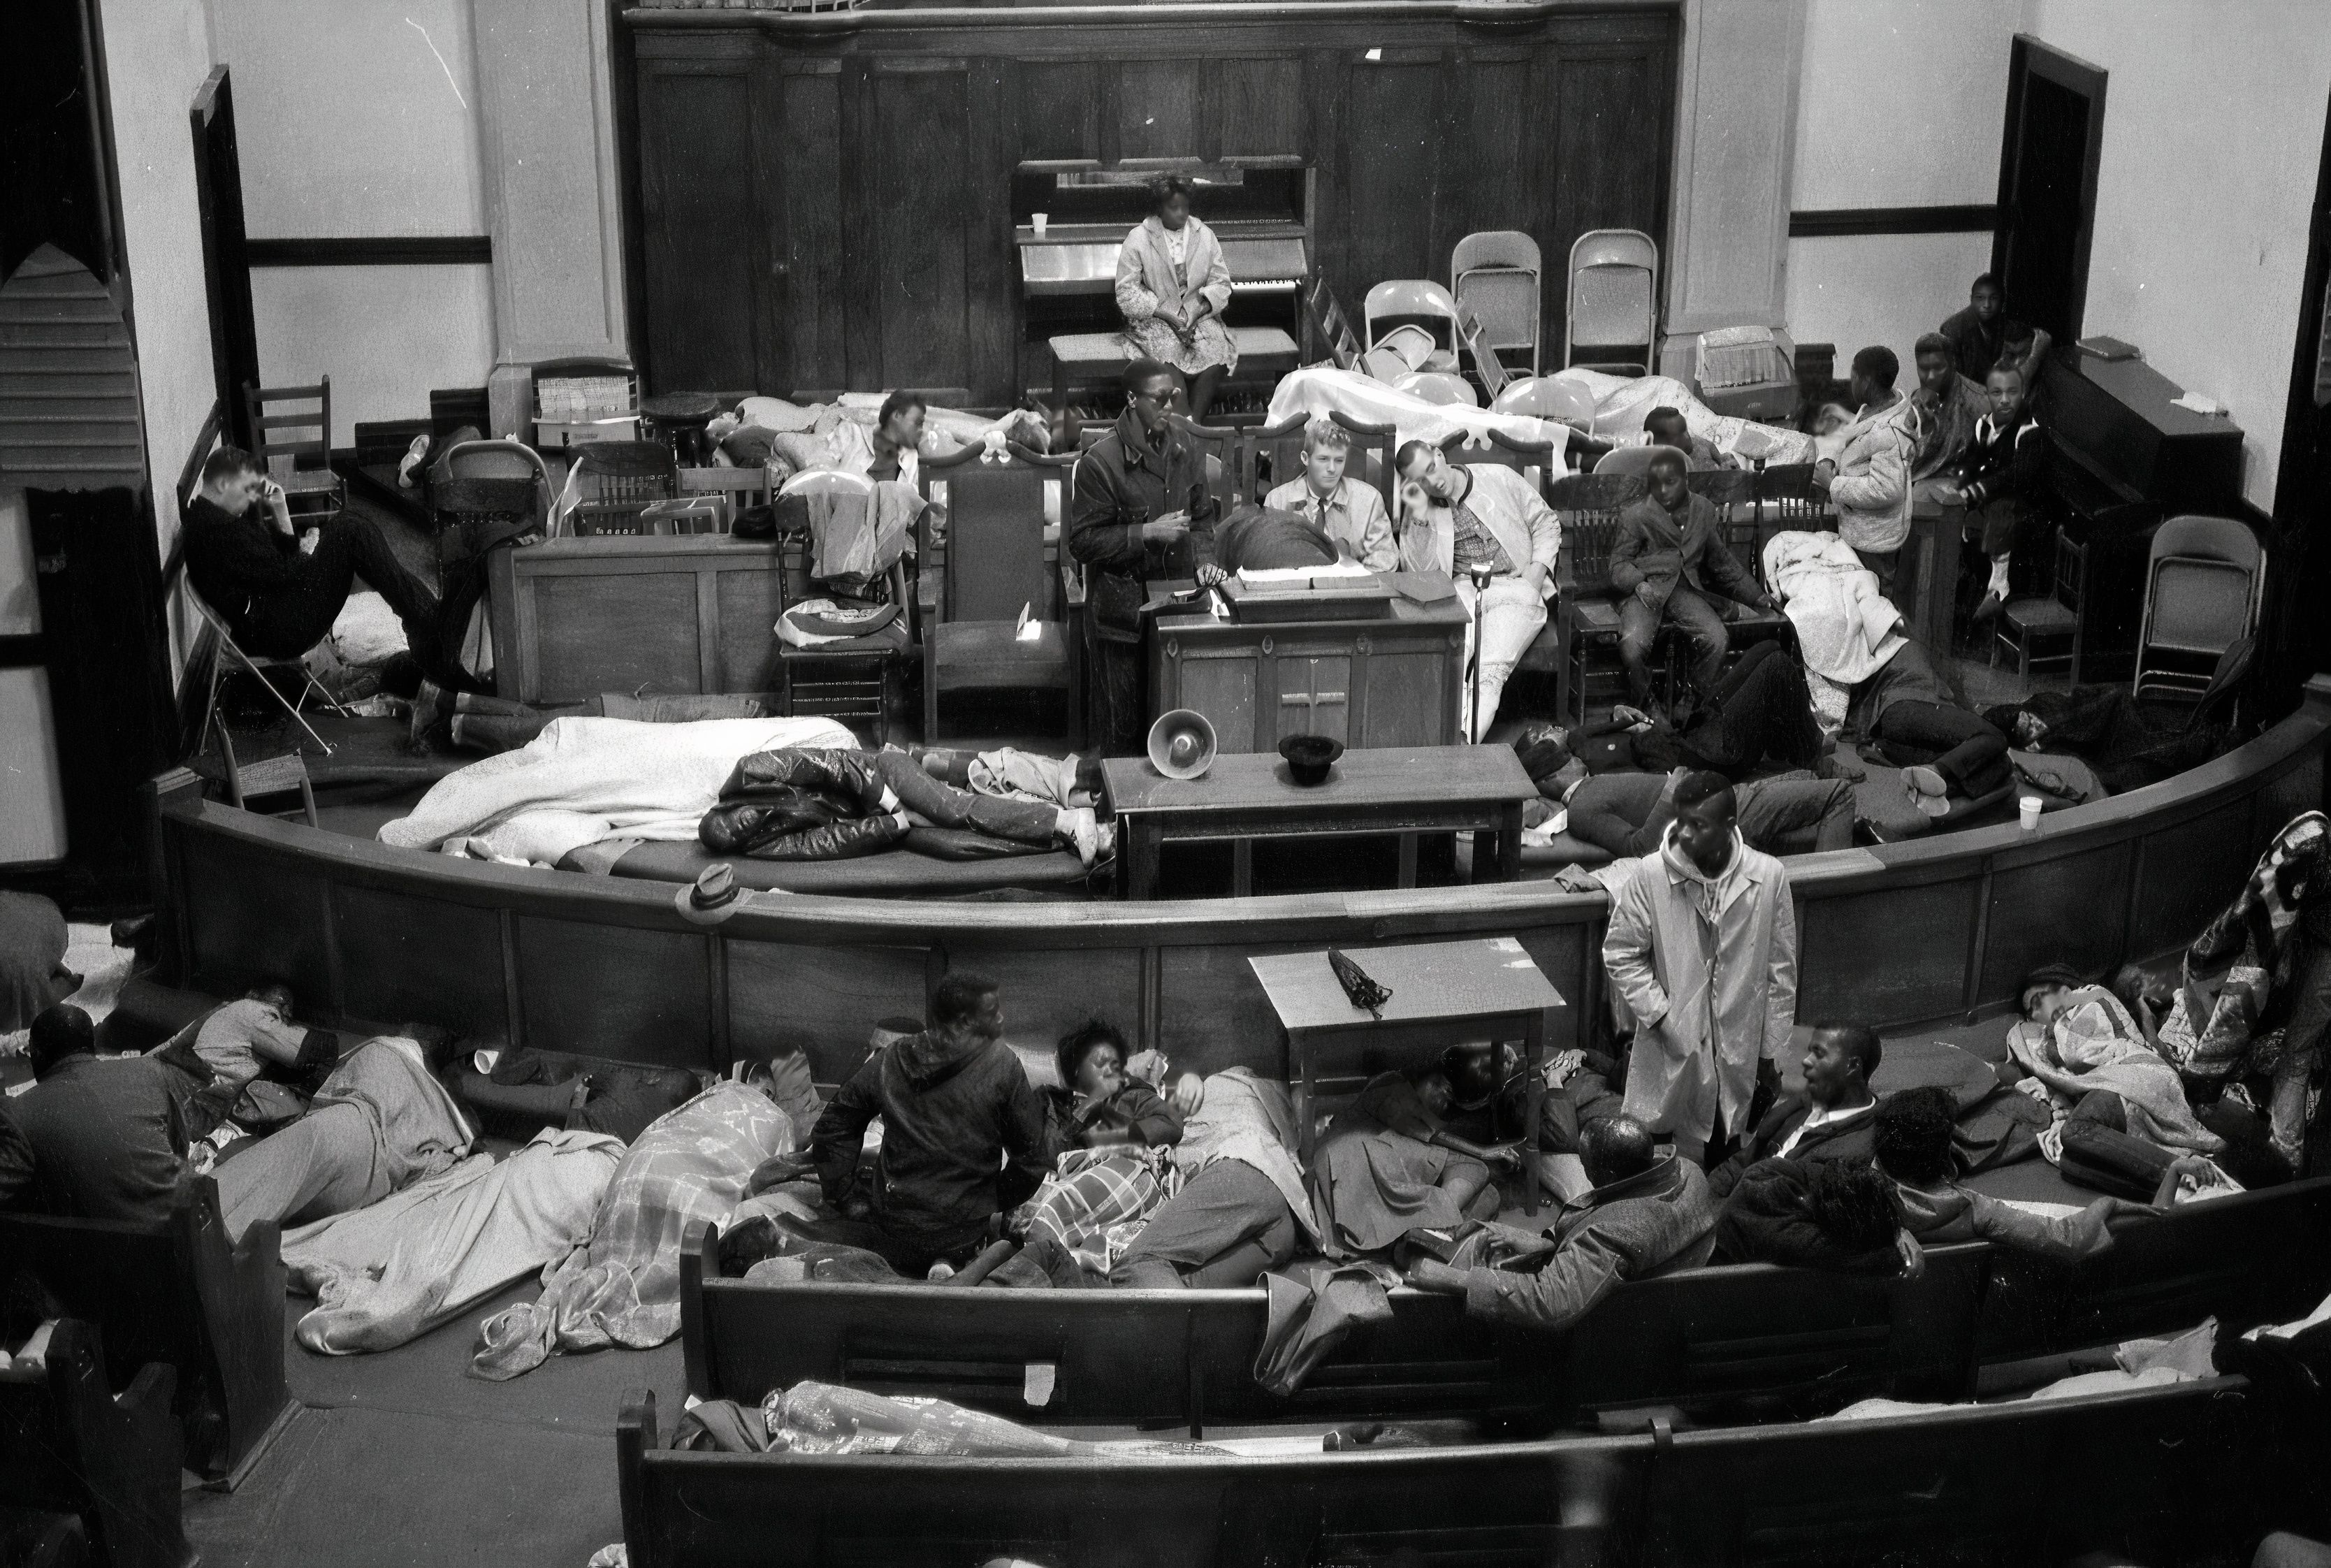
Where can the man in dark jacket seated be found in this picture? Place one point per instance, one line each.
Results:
(1668, 558)
(1831, 1120)
(963, 1137)
(1647, 1215)
(107, 1138)
(244, 557)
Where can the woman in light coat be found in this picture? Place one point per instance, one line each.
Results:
(1173, 285)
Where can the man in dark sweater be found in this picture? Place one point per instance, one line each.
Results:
(956, 1105)
(107, 1139)
(1831, 1120)
(244, 557)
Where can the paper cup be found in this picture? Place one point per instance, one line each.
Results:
(2027, 811)
(1038, 219)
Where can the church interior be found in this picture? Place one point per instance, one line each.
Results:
(1184, 783)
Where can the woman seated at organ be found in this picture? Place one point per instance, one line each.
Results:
(1172, 286)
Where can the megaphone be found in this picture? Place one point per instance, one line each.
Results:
(1182, 743)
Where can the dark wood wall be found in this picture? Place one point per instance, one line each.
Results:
(824, 202)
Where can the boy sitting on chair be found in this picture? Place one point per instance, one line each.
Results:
(244, 557)
(1669, 558)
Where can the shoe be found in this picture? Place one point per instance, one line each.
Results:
(1926, 781)
(431, 704)
(1084, 832)
(414, 457)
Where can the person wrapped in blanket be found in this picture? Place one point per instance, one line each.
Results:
(2121, 1120)
(2243, 1027)
(823, 803)
(1389, 1164)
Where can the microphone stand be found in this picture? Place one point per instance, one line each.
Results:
(1481, 574)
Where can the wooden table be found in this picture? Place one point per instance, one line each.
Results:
(1440, 992)
(1246, 796)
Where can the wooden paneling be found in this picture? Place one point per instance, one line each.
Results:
(751, 602)
(1394, 135)
(1899, 952)
(2065, 909)
(1255, 106)
(2186, 877)
(881, 158)
(253, 921)
(1156, 109)
(921, 206)
(1048, 993)
(635, 632)
(702, 240)
(410, 957)
(614, 991)
(784, 996)
(1410, 694)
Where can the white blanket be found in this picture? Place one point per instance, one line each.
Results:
(1846, 628)
(390, 1272)
(1621, 402)
(1322, 389)
(583, 780)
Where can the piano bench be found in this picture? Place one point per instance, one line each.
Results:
(1088, 362)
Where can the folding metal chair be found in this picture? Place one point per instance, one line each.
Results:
(1612, 301)
(2204, 579)
(259, 668)
(1413, 299)
(1498, 272)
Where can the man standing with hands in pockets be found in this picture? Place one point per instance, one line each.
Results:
(1702, 948)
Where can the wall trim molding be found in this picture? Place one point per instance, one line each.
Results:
(1834, 222)
(374, 251)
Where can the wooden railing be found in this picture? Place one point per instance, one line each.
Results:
(1901, 935)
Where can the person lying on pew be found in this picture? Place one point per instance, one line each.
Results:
(1242, 1210)
(1831, 1120)
(1345, 508)
(244, 557)
(963, 1137)
(108, 1137)
(1489, 1089)
(1388, 1164)
(1668, 558)
(1801, 1213)
(1647, 1215)
(477, 722)
(1911, 1142)
(1101, 1104)
(1942, 749)
(2121, 1117)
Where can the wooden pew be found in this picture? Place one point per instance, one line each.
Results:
(1716, 1338)
(178, 1294)
(2261, 1257)
(70, 1445)
(2139, 1470)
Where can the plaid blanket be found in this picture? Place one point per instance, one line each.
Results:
(623, 1289)
(1096, 1201)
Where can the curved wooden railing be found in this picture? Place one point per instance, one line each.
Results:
(1900, 934)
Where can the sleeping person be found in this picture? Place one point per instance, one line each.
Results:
(1388, 1165)
(1102, 1104)
(1242, 1208)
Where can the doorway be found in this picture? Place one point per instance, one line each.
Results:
(226, 257)
(2047, 161)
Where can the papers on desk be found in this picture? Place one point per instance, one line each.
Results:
(1302, 576)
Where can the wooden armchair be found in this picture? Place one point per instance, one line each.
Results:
(1272, 455)
(1585, 620)
(970, 601)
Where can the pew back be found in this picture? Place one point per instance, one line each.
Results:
(180, 1295)
(69, 1446)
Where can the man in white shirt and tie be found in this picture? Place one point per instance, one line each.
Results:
(1347, 510)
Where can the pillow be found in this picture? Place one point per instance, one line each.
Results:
(776, 413)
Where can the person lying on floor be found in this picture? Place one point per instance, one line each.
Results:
(1242, 1210)
(1100, 1104)
(1835, 1214)
(964, 1138)
(1830, 1121)
(2121, 1118)
(106, 1139)
(2104, 726)
(1943, 749)
(1911, 1143)
(1647, 1215)
(823, 803)
(475, 722)
(1626, 814)
(244, 557)
(253, 1037)
(1388, 1165)
(379, 1122)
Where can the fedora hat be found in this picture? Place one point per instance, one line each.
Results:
(711, 898)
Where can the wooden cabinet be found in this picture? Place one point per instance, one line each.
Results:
(821, 201)
(1391, 682)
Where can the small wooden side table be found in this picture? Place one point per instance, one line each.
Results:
(1440, 990)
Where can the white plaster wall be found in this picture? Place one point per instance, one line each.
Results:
(1857, 289)
(1902, 101)
(2213, 134)
(156, 54)
(384, 334)
(358, 119)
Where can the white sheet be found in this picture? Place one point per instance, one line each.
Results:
(1321, 389)
(583, 780)
(1621, 402)
(1846, 628)
(390, 1272)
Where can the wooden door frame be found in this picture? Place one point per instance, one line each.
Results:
(2029, 57)
(226, 257)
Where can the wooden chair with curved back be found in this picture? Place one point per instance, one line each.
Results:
(973, 601)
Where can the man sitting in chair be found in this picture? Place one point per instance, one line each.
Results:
(1347, 510)
(244, 557)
